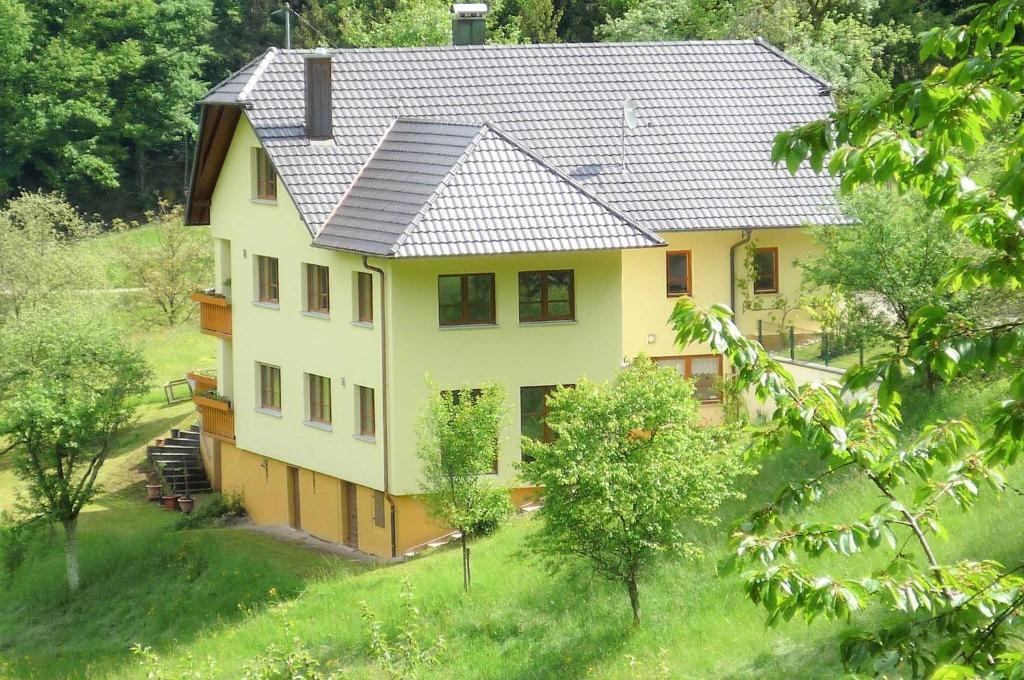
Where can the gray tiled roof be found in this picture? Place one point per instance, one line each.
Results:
(700, 159)
(433, 189)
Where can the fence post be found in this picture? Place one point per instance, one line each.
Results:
(792, 343)
(760, 331)
(824, 346)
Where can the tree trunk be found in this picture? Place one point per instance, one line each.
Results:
(71, 552)
(634, 599)
(465, 562)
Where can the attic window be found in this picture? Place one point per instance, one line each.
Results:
(266, 176)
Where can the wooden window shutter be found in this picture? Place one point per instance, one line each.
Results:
(318, 97)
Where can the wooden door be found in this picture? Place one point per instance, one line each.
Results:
(295, 514)
(351, 516)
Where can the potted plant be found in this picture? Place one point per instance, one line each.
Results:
(154, 489)
(171, 501)
(185, 502)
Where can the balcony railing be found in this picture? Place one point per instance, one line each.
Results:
(202, 381)
(214, 314)
(217, 416)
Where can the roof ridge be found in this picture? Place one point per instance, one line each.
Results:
(524, 46)
(532, 155)
(793, 62)
(348, 189)
(443, 184)
(268, 56)
(573, 183)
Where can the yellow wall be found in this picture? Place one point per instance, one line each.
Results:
(646, 306)
(337, 348)
(509, 352)
(620, 302)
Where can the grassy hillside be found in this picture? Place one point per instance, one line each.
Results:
(518, 622)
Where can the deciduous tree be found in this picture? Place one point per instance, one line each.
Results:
(38, 263)
(68, 384)
(629, 467)
(946, 619)
(179, 263)
(459, 435)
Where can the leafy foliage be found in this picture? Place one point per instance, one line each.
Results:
(946, 619)
(67, 388)
(891, 262)
(404, 656)
(180, 263)
(91, 87)
(459, 435)
(628, 466)
(213, 510)
(38, 263)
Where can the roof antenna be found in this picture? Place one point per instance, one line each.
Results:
(285, 16)
(629, 120)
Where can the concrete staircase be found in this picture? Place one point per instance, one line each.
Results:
(179, 462)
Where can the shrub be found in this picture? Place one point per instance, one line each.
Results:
(15, 537)
(215, 510)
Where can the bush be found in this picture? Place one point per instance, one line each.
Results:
(15, 537)
(215, 510)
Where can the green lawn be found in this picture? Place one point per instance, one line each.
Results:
(180, 592)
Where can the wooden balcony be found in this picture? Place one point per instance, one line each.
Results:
(217, 417)
(214, 314)
(202, 381)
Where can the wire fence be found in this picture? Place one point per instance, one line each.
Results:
(812, 346)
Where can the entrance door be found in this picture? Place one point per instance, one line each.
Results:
(294, 514)
(351, 516)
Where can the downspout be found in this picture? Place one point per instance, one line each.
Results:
(385, 439)
(732, 269)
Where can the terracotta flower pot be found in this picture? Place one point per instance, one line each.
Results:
(171, 502)
(186, 504)
(153, 492)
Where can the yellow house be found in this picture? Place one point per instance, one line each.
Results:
(524, 214)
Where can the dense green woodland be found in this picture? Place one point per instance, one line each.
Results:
(97, 98)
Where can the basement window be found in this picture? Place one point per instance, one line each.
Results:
(378, 510)
(705, 370)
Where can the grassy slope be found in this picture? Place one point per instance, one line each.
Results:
(208, 593)
(521, 622)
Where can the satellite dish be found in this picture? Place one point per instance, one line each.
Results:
(629, 113)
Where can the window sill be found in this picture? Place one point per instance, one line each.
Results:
(317, 425)
(263, 201)
(316, 315)
(465, 326)
(268, 411)
(364, 438)
(766, 292)
(362, 324)
(679, 295)
(553, 322)
(267, 305)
